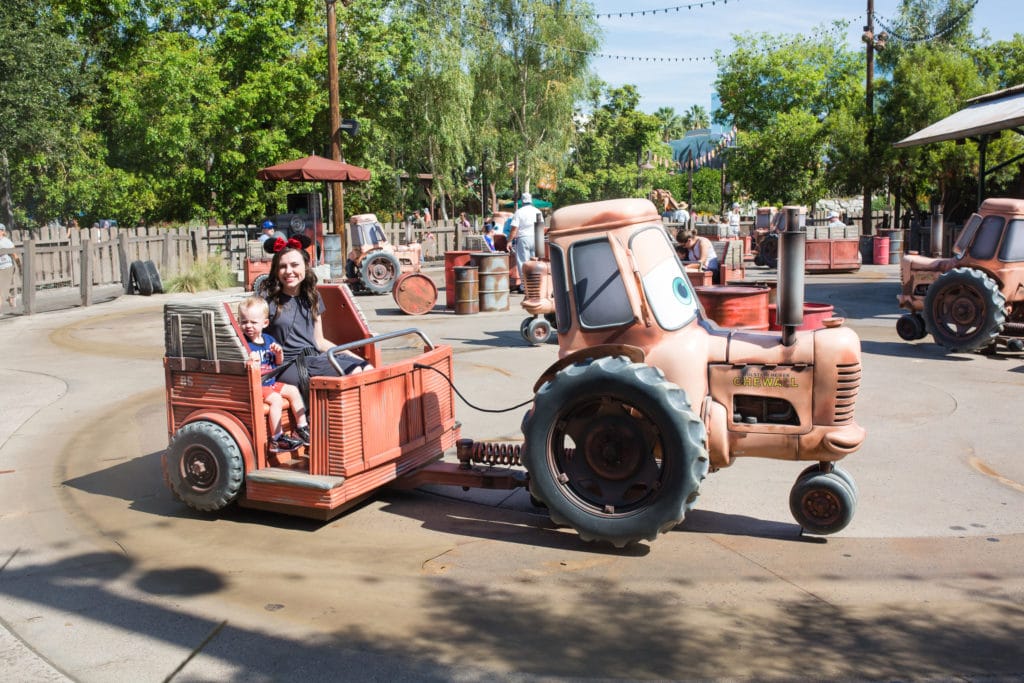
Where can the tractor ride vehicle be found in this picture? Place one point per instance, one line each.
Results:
(538, 300)
(973, 300)
(373, 264)
(647, 397)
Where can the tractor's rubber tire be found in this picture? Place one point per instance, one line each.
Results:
(964, 310)
(839, 472)
(154, 277)
(204, 466)
(538, 331)
(259, 285)
(769, 251)
(910, 327)
(140, 279)
(614, 450)
(822, 503)
(379, 272)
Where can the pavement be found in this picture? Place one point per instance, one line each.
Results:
(105, 577)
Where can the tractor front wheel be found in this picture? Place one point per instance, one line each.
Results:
(964, 310)
(822, 503)
(614, 450)
(910, 327)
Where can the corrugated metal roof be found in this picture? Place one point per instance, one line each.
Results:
(988, 114)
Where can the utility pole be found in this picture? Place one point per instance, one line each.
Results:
(869, 106)
(337, 189)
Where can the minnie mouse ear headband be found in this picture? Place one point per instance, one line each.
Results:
(272, 246)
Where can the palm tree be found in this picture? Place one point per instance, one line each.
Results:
(671, 124)
(696, 117)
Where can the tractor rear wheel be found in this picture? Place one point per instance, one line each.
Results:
(379, 272)
(614, 450)
(964, 310)
(204, 466)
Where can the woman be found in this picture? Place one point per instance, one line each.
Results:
(700, 250)
(295, 315)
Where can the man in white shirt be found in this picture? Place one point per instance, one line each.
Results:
(523, 222)
(7, 262)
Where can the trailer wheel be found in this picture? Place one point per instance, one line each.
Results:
(964, 310)
(379, 272)
(204, 466)
(910, 327)
(822, 503)
(538, 331)
(614, 450)
(140, 281)
(154, 277)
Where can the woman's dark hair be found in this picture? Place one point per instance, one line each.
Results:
(307, 288)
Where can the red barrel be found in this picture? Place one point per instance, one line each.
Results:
(880, 255)
(452, 259)
(814, 316)
(733, 306)
(415, 293)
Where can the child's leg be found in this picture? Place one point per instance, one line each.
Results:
(291, 392)
(276, 405)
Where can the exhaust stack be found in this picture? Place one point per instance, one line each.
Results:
(539, 247)
(790, 299)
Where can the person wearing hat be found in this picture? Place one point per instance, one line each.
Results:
(267, 230)
(734, 220)
(7, 263)
(521, 235)
(833, 220)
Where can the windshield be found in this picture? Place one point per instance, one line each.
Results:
(666, 287)
(966, 235)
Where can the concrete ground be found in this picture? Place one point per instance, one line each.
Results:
(104, 577)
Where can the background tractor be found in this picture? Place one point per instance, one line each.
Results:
(974, 299)
(373, 264)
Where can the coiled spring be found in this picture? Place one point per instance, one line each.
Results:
(488, 453)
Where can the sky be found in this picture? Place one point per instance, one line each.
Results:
(693, 33)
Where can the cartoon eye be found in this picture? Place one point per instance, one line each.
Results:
(681, 290)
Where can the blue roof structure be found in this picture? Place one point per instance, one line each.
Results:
(701, 148)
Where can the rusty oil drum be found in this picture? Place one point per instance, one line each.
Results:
(415, 293)
(453, 259)
(736, 307)
(467, 297)
(493, 280)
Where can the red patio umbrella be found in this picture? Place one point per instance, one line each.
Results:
(314, 168)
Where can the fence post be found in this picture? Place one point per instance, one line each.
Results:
(165, 253)
(28, 283)
(122, 255)
(86, 272)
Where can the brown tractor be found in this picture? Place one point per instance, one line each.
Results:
(649, 395)
(373, 264)
(974, 299)
(538, 299)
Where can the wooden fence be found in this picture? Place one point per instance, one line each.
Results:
(55, 257)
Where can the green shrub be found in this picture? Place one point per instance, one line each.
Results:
(204, 275)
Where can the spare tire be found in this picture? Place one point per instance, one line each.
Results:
(154, 277)
(140, 281)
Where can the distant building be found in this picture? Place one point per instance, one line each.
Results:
(701, 148)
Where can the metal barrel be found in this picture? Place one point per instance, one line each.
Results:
(895, 245)
(493, 279)
(452, 259)
(467, 300)
(881, 253)
(736, 306)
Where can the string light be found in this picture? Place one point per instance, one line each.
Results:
(938, 33)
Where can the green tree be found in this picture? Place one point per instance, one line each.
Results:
(673, 126)
(696, 117)
(39, 81)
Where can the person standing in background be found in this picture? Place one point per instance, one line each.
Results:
(7, 263)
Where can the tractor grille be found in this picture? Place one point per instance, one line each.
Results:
(847, 387)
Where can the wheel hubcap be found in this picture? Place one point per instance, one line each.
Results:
(199, 469)
(822, 506)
